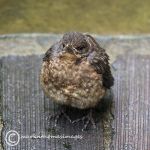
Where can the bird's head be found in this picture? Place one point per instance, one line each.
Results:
(75, 44)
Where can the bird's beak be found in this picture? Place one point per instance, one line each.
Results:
(68, 53)
(68, 48)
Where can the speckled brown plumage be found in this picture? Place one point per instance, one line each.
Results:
(76, 71)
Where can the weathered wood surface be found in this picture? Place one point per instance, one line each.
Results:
(25, 109)
(132, 103)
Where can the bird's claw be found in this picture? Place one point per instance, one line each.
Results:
(86, 119)
(57, 115)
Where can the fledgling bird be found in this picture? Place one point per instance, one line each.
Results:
(76, 72)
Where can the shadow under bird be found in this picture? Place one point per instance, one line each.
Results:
(76, 73)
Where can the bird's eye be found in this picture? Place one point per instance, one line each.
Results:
(82, 49)
(63, 45)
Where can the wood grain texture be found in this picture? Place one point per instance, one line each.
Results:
(132, 103)
(25, 108)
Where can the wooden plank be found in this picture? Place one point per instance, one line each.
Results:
(132, 103)
(25, 108)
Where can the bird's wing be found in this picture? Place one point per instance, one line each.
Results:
(52, 51)
(100, 61)
(47, 54)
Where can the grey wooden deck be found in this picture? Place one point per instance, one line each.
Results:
(25, 108)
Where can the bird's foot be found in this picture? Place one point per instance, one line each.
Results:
(57, 115)
(86, 119)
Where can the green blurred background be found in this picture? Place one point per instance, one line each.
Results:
(58, 16)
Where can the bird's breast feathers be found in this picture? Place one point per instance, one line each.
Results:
(77, 85)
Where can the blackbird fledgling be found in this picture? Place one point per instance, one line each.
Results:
(76, 72)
